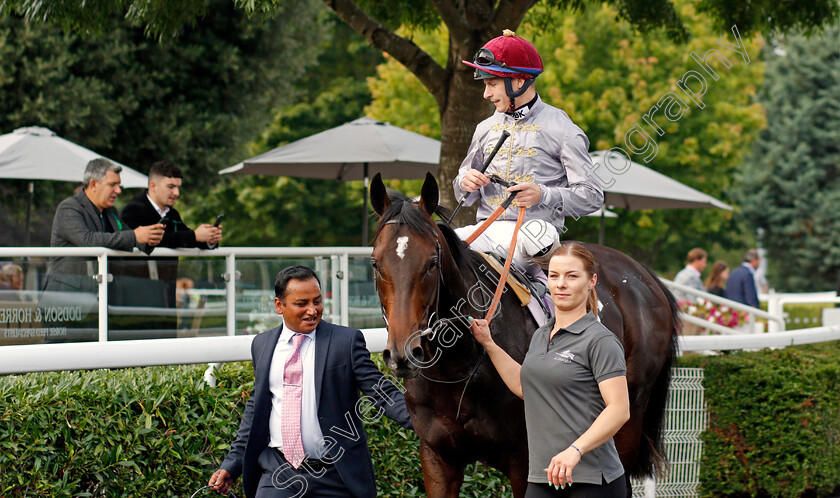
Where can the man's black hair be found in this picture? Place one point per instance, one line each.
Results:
(297, 272)
(165, 169)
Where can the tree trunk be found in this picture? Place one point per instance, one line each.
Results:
(465, 108)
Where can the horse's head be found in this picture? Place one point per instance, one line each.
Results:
(407, 266)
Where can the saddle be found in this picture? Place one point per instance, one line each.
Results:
(523, 285)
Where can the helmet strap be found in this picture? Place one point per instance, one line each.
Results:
(512, 95)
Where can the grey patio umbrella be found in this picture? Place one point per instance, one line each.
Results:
(352, 151)
(632, 186)
(35, 153)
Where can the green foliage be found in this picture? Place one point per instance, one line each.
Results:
(790, 186)
(271, 211)
(195, 101)
(774, 422)
(159, 431)
(606, 77)
(135, 432)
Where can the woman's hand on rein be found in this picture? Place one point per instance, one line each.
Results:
(481, 331)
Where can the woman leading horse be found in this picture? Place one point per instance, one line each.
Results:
(430, 283)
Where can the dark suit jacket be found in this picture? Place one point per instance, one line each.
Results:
(140, 212)
(741, 287)
(342, 368)
(77, 224)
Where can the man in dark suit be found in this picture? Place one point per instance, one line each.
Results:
(301, 433)
(741, 283)
(149, 207)
(89, 219)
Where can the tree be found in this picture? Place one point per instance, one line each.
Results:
(606, 77)
(298, 211)
(790, 187)
(469, 24)
(195, 101)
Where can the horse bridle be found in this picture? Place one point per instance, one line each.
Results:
(435, 321)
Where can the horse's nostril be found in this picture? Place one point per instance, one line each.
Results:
(386, 356)
(417, 353)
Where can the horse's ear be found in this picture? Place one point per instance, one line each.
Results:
(429, 194)
(378, 195)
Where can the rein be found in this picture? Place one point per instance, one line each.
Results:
(494, 303)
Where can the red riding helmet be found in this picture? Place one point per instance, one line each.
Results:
(507, 56)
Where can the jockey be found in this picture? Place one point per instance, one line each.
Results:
(546, 155)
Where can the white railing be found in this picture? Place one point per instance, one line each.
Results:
(775, 322)
(131, 353)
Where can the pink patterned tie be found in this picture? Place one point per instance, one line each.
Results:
(292, 396)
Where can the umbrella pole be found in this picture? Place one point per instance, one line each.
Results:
(365, 203)
(601, 230)
(29, 213)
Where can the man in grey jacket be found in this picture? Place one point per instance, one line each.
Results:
(89, 219)
(690, 275)
(546, 156)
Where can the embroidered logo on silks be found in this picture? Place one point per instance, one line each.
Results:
(565, 356)
(402, 243)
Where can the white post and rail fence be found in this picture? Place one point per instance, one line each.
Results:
(223, 304)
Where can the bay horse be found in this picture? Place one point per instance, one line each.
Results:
(429, 281)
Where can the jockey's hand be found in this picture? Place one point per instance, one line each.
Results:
(529, 194)
(474, 180)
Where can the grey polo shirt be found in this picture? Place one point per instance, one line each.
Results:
(560, 386)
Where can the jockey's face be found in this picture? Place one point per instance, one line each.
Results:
(569, 283)
(494, 91)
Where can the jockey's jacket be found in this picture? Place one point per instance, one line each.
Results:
(545, 147)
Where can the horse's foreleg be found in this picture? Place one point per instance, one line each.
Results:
(518, 484)
(442, 478)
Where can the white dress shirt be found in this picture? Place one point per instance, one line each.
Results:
(310, 428)
(161, 211)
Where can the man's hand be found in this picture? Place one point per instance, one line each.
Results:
(529, 194)
(220, 481)
(208, 233)
(149, 235)
(474, 180)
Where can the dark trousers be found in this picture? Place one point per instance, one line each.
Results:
(615, 489)
(281, 480)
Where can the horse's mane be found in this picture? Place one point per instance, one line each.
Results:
(404, 210)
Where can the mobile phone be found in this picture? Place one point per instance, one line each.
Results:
(218, 220)
(163, 221)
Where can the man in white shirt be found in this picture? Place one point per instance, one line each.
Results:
(690, 275)
(302, 433)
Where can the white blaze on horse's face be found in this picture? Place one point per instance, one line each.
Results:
(402, 243)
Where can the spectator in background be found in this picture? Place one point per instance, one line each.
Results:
(690, 275)
(741, 284)
(11, 277)
(89, 219)
(716, 283)
(155, 203)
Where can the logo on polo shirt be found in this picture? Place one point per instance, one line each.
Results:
(565, 356)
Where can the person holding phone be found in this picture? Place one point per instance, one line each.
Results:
(156, 205)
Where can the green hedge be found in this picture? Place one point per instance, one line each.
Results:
(158, 431)
(774, 422)
(774, 430)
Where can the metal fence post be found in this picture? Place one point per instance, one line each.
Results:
(102, 280)
(230, 277)
(345, 289)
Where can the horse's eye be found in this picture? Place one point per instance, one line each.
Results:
(433, 262)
